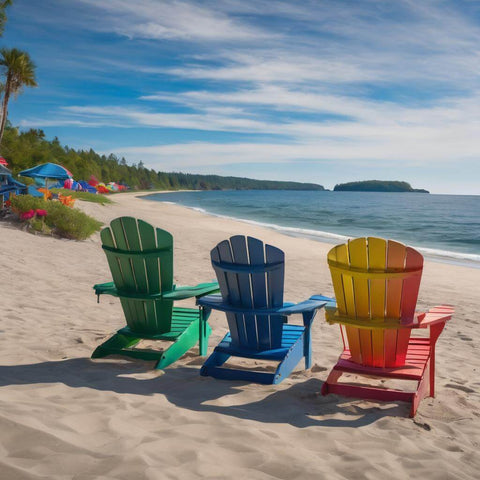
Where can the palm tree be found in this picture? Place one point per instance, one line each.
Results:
(3, 16)
(19, 71)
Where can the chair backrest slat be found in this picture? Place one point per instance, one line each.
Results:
(411, 285)
(377, 259)
(343, 287)
(359, 259)
(245, 322)
(152, 265)
(260, 286)
(362, 293)
(151, 273)
(229, 289)
(240, 257)
(396, 253)
(410, 288)
(275, 278)
(259, 293)
(129, 231)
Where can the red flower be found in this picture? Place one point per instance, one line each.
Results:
(41, 213)
(27, 215)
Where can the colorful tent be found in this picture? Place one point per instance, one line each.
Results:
(8, 185)
(87, 187)
(47, 171)
(93, 181)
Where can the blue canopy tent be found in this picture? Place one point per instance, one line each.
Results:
(87, 187)
(47, 171)
(8, 185)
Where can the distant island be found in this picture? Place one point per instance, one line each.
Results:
(377, 186)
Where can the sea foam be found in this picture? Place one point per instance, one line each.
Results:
(444, 256)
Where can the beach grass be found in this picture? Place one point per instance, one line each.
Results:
(84, 196)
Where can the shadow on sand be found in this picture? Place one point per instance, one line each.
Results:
(299, 405)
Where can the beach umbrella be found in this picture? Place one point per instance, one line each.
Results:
(3, 161)
(47, 171)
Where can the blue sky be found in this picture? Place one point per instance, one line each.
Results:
(318, 91)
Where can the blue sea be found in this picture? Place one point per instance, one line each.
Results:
(442, 227)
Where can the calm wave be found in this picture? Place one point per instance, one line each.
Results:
(446, 227)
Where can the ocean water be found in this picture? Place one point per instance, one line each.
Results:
(442, 227)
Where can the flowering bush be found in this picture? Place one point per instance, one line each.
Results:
(49, 216)
(27, 215)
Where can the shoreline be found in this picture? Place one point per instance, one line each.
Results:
(64, 415)
(437, 255)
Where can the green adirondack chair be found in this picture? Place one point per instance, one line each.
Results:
(141, 262)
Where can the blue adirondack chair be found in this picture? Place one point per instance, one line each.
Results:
(251, 276)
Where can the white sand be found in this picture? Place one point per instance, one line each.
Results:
(64, 416)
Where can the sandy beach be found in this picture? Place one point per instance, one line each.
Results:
(64, 416)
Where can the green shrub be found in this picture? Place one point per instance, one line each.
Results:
(39, 225)
(70, 222)
(24, 203)
(62, 220)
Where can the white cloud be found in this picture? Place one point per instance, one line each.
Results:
(348, 142)
(452, 122)
(365, 81)
(170, 19)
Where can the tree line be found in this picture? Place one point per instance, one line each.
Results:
(25, 149)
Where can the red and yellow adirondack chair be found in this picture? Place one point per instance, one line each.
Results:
(376, 285)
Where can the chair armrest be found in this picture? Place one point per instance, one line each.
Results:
(181, 293)
(331, 302)
(306, 306)
(435, 315)
(216, 302)
(178, 293)
(332, 316)
(210, 301)
(107, 288)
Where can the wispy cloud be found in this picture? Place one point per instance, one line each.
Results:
(359, 83)
(189, 21)
(324, 152)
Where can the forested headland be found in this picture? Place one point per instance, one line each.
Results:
(377, 186)
(26, 149)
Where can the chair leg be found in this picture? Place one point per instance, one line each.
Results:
(307, 338)
(290, 361)
(216, 359)
(114, 345)
(307, 349)
(431, 367)
(183, 343)
(204, 331)
(435, 331)
(421, 392)
(331, 380)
